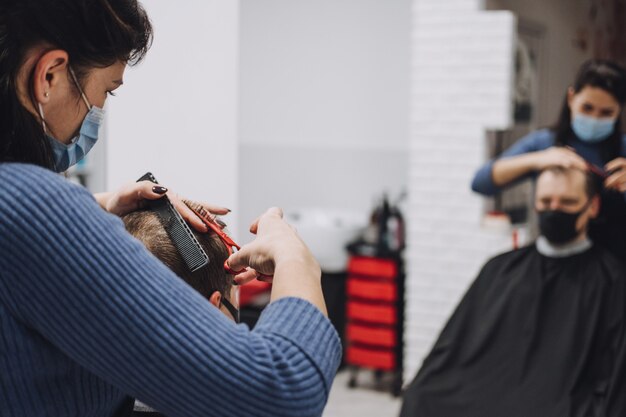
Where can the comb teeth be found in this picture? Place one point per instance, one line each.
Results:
(185, 242)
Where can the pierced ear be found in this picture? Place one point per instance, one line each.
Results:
(216, 299)
(47, 74)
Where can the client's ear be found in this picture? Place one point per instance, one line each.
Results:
(216, 299)
(595, 207)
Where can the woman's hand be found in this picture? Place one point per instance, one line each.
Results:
(279, 251)
(508, 169)
(276, 242)
(559, 156)
(617, 179)
(132, 197)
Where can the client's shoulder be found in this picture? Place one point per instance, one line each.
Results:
(610, 262)
(510, 258)
(515, 253)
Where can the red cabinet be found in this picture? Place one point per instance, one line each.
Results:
(374, 313)
(374, 336)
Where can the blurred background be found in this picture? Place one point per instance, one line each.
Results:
(359, 118)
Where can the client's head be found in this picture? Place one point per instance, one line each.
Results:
(566, 200)
(212, 281)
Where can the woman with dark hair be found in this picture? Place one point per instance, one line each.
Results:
(588, 135)
(89, 319)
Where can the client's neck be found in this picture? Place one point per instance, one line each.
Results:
(579, 245)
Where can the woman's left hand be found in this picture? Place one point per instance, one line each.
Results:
(132, 197)
(617, 179)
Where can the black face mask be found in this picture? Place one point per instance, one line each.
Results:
(558, 226)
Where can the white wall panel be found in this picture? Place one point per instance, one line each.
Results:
(176, 115)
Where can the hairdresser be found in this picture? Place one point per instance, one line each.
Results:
(89, 319)
(588, 136)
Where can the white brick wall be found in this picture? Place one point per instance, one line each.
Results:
(462, 72)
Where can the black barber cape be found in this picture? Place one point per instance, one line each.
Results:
(533, 337)
(608, 229)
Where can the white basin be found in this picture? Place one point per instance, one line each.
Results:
(326, 232)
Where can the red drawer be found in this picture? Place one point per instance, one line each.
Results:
(372, 267)
(379, 314)
(372, 290)
(371, 335)
(377, 359)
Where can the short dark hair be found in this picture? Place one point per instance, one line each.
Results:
(146, 227)
(94, 33)
(593, 182)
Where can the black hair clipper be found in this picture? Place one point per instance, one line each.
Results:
(188, 246)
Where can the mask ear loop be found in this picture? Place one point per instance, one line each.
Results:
(43, 119)
(82, 94)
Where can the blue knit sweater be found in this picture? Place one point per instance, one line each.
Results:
(89, 318)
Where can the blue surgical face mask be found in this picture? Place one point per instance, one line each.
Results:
(592, 130)
(66, 155)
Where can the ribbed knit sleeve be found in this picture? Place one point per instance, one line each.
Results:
(535, 141)
(71, 273)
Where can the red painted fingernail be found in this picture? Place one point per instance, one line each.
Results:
(159, 190)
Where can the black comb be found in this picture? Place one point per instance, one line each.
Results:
(188, 246)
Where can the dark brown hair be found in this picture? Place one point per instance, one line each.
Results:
(145, 226)
(94, 33)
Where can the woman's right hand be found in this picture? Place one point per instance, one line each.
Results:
(557, 156)
(276, 242)
(279, 251)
